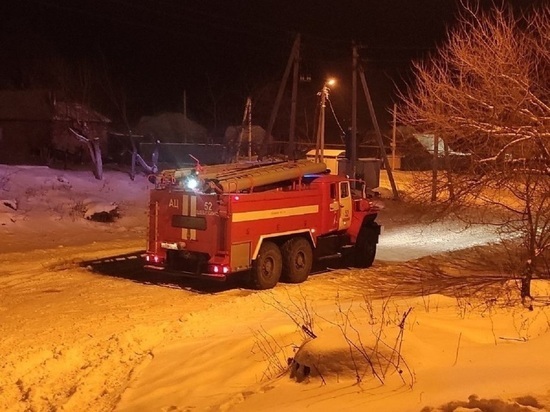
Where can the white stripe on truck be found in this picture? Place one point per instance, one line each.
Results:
(193, 212)
(189, 208)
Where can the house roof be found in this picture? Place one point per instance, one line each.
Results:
(330, 153)
(35, 105)
(77, 111)
(428, 142)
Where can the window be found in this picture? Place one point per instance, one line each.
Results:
(344, 190)
(333, 190)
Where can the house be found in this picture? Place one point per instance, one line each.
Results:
(34, 127)
(417, 153)
(333, 158)
(366, 168)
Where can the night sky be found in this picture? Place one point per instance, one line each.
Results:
(219, 52)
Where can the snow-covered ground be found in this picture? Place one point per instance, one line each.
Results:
(81, 330)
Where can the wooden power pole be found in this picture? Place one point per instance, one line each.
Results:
(378, 133)
(291, 149)
(246, 123)
(184, 116)
(435, 166)
(292, 60)
(353, 137)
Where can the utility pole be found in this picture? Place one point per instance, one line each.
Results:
(378, 134)
(185, 103)
(435, 167)
(247, 120)
(448, 166)
(292, 59)
(291, 149)
(394, 136)
(249, 110)
(185, 116)
(320, 147)
(353, 143)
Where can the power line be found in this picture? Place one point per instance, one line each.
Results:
(335, 118)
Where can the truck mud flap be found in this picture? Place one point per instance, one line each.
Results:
(374, 231)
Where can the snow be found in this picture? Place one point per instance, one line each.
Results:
(84, 328)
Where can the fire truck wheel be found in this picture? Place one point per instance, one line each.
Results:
(365, 248)
(297, 260)
(267, 267)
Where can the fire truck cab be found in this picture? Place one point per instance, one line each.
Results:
(271, 221)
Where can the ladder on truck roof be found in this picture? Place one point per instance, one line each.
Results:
(236, 177)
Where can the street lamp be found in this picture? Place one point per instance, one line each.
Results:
(320, 146)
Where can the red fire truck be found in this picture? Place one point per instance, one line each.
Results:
(271, 221)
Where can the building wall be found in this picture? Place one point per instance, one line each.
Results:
(24, 142)
(39, 142)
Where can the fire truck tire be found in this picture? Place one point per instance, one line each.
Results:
(297, 260)
(365, 248)
(267, 267)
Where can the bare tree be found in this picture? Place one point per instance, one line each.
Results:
(84, 136)
(486, 92)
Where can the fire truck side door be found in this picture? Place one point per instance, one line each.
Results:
(345, 203)
(334, 206)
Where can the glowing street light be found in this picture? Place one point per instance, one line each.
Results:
(320, 146)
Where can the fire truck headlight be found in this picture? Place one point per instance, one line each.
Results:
(192, 183)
